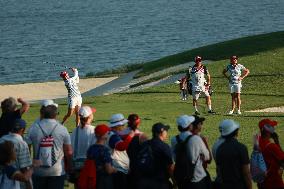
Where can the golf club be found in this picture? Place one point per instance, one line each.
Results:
(58, 65)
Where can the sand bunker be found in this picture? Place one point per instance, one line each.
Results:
(48, 90)
(272, 109)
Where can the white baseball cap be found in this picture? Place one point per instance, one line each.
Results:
(185, 120)
(86, 111)
(48, 102)
(228, 126)
(117, 120)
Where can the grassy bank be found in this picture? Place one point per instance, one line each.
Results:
(263, 88)
(247, 46)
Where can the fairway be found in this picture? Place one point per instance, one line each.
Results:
(263, 88)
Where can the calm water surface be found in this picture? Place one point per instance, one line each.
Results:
(95, 35)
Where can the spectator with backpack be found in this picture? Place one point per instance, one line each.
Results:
(10, 112)
(82, 138)
(190, 152)
(232, 159)
(51, 142)
(100, 153)
(155, 164)
(272, 154)
(196, 130)
(23, 160)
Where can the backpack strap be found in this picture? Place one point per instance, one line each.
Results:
(178, 139)
(45, 135)
(76, 142)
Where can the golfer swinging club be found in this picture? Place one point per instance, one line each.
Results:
(74, 95)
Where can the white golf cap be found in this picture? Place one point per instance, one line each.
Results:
(185, 120)
(86, 111)
(228, 126)
(48, 102)
(117, 120)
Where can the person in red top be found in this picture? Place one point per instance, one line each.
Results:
(273, 155)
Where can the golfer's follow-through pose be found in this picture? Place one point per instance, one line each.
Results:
(199, 84)
(74, 95)
(237, 73)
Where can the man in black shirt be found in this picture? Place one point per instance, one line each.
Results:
(10, 113)
(232, 159)
(163, 165)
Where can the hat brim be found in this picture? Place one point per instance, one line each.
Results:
(119, 123)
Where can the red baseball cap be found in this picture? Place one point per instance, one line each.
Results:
(268, 125)
(63, 74)
(101, 129)
(197, 59)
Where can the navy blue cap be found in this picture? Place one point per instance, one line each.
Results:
(159, 128)
(19, 124)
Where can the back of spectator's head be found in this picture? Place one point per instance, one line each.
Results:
(8, 105)
(48, 102)
(101, 130)
(117, 122)
(197, 121)
(229, 128)
(158, 129)
(133, 121)
(18, 125)
(267, 126)
(7, 152)
(184, 122)
(86, 115)
(49, 112)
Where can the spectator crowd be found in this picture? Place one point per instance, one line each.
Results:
(117, 155)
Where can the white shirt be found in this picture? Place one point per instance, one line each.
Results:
(195, 148)
(86, 138)
(198, 77)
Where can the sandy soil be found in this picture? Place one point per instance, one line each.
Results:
(48, 90)
(272, 109)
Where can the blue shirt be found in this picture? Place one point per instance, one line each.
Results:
(100, 154)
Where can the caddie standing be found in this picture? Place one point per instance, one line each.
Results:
(200, 84)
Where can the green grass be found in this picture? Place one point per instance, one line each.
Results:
(263, 88)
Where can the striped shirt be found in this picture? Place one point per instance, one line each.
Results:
(23, 158)
(71, 85)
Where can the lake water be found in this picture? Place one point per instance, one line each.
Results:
(95, 35)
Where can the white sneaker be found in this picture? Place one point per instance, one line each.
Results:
(231, 112)
(239, 112)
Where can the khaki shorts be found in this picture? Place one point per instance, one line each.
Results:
(75, 101)
(235, 88)
(196, 94)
